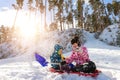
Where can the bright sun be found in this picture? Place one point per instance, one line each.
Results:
(27, 31)
(27, 26)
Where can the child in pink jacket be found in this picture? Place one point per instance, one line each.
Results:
(79, 57)
(79, 54)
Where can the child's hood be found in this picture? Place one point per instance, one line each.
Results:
(57, 47)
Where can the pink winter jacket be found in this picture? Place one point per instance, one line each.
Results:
(79, 57)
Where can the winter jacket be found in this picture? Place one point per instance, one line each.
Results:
(56, 57)
(78, 57)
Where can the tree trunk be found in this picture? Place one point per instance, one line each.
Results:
(41, 21)
(72, 24)
(15, 19)
(60, 25)
(63, 25)
(68, 26)
(45, 13)
(51, 16)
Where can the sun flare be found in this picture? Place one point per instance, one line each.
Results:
(27, 31)
(27, 26)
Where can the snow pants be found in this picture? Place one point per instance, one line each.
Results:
(88, 67)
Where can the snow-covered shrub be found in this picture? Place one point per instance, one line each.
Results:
(110, 34)
(5, 50)
(65, 38)
(118, 38)
(12, 49)
(49, 39)
(53, 26)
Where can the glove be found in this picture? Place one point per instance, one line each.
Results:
(71, 65)
(63, 62)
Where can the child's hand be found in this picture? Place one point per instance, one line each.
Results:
(63, 62)
(63, 58)
(74, 63)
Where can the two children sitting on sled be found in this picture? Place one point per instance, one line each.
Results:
(77, 62)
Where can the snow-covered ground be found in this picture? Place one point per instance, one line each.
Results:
(24, 67)
(106, 57)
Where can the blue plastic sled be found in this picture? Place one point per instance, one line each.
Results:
(41, 60)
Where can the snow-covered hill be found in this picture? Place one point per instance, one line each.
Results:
(111, 34)
(25, 67)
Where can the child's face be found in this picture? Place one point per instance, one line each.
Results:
(75, 45)
(60, 51)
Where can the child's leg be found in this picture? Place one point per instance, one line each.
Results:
(79, 68)
(89, 67)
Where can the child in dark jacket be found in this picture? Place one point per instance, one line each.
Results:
(57, 57)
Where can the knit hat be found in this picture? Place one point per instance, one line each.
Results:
(57, 47)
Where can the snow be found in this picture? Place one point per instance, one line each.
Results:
(24, 67)
(109, 35)
(24, 44)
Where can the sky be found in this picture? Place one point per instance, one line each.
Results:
(8, 3)
(7, 10)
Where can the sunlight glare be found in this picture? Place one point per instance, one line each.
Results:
(27, 31)
(27, 26)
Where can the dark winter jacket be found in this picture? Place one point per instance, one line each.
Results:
(56, 57)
